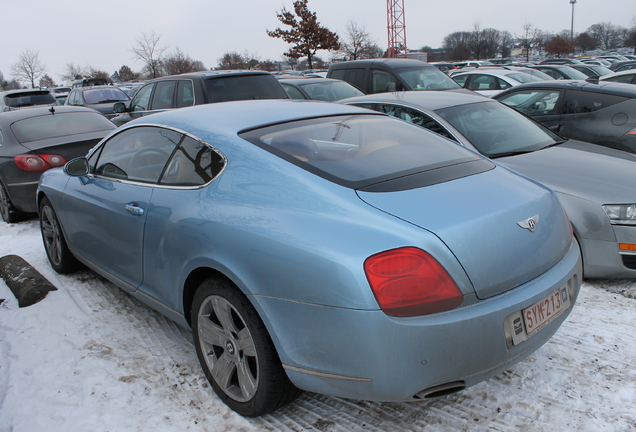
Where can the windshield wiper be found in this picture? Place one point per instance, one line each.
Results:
(512, 153)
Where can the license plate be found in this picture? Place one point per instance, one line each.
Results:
(532, 319)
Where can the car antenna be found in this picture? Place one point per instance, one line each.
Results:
(52, 110)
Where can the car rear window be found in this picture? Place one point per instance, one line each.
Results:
(331, 91)
(426, 78)
(18, 100)
(361, 150)
(104, 95)
(244, 87)
(58, 125)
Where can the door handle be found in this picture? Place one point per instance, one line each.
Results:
(134, 209)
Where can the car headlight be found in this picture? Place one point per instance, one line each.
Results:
(621, 214)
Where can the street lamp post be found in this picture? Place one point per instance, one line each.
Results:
(572, 2)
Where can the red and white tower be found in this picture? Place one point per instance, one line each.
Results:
(396, 28)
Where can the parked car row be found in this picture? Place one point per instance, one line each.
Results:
(269, 225)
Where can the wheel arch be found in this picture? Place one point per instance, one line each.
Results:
(200, 274)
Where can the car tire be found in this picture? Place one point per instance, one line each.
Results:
(9, 213)
(60, 257)
(235, 350)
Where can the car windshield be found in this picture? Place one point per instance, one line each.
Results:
(331, 91)
(496, 130)
(104, 95)
(359, 150)
(426, 78)
(244, 87)
(18, 100)
(58, 125)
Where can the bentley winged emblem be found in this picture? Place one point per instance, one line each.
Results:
(530, 223)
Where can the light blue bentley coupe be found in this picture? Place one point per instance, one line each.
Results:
(320, 247)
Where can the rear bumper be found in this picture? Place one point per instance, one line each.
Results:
(364, 354)
(22, 196)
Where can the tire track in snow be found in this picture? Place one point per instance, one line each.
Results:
(151, 347)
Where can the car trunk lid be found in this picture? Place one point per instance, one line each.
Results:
(493, 210)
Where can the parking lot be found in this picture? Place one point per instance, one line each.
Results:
(89, 357)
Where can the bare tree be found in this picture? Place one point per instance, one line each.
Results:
(149, 52)
(630, 40)
(489, 42)
(528, 39)
(178, 63)
(96, 73)
(606, 34)
(74, 72)
(268, 65)
(233, 60)
(506, 43)
(306, 35)
(46, 82)
(29, 67)
(8, 85)
(457, 44)
(357, 43)
(126, 74)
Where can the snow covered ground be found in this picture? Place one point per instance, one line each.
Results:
(90, 358)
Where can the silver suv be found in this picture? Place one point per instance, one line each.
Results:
(17, 99)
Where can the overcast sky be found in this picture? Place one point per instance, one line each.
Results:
(101, 34)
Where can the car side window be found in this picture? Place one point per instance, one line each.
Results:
(141, 102)
(380, 81)
(137, 154)
(164, 95)
(533, 102)
(353, 76)
(72, 99)
(416, 117)
(553, 73)
(482, 82)
(577, 102)
(502, 84)
(461, 79)
(185, 94)
(194, 163)
(292, 91)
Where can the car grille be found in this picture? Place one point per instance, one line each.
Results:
(629, 261)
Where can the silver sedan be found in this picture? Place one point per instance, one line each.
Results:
(595, 183)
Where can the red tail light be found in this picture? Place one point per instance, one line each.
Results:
(409, 282)
(34, 162)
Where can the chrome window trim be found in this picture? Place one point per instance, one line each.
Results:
(156, 184)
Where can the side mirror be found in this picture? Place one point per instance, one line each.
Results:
(77, 167)
(119, 108)
(391, 87)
